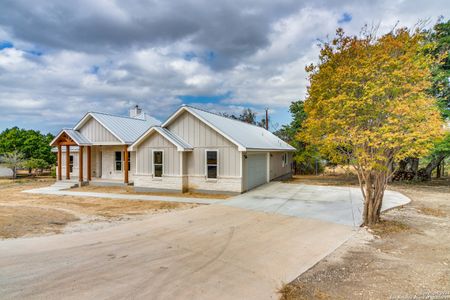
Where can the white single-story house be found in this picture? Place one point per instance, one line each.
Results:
(193, 150)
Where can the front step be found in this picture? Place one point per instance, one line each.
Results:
(65, 185)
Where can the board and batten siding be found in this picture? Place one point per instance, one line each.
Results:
(108, 156)
(277, 169)
(171, 157)
(96, 133)
(201, 137)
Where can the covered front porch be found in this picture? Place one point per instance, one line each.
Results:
(80, 161)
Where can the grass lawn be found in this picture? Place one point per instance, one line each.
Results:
(407, 255)
(24, 214)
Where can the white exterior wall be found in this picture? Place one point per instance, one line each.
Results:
(73, 174)
(171, 178)
(108, 163)
(201, 137)
(276, 165)
(172, 183)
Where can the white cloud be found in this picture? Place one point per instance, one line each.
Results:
(99, 55)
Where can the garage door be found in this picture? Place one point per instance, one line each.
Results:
(256, 170)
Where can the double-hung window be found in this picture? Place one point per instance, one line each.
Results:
(118, 161)
(157, 163)
(211, 164)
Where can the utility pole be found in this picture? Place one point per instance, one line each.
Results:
(267, 118)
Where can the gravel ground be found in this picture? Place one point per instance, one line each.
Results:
(406, 256)
(28, 215)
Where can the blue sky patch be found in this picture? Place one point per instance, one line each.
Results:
(345, 18)
(5, 44)
(34, 52)
(94, 69)
(189, 55)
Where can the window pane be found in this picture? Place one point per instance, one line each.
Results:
(118, 166)
(211, 157)
(158, 170)
(157, 157)
(212, 171)
(118, 155)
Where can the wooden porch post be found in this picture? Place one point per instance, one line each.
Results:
(67, 162)
(125, 165)
(89, 163)
(80, 164)
(59, 163)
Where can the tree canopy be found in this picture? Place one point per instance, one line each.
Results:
(368, 103)
(30, 143)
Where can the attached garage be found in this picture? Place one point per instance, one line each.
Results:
(256, 170)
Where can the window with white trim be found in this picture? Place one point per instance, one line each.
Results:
(118, 161)
(211, 164)
(157, 163)
(284, 159)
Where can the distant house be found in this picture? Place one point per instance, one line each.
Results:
(192, 150)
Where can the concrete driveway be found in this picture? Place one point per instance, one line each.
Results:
(341, 205)
(209, 252)
(219, 251)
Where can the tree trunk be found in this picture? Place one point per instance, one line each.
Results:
(438, 171)
(374, 187)
(432, 165)
(14, 170)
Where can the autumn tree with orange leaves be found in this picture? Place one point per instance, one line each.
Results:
(367, 104)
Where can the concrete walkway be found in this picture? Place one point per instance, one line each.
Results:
(59, 190)
(341, 205)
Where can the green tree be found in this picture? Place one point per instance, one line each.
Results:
(31, 143)
(307, 159)
(12, 160)
(439, 37)
(37, 164)
(368, 104)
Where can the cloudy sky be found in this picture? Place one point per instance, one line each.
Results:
(60, 59)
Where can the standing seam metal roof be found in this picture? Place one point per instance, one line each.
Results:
(127, 129)
(247, 135)
(77, 137)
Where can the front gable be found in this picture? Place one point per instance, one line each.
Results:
(97, 133)
(196, 132)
